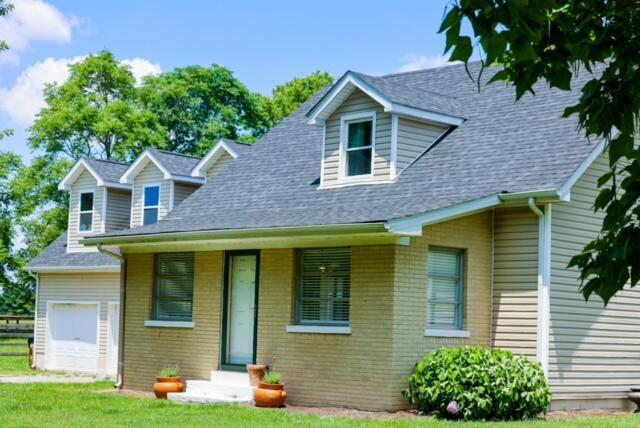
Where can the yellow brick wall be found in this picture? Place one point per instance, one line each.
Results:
(148, 349)
(474, 235)
(327, 369)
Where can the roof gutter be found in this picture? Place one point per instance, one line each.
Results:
(123, 293)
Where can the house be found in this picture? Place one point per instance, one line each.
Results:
(387, 217)
(78, 291)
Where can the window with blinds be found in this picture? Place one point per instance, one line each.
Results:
(445, 289)
(324, 286)
(174, 287)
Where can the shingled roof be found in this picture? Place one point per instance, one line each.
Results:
(55, 257)
(503, 146)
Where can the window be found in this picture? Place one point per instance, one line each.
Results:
(151, 202)
(358, 142)
(445, 289)
(324, 286)
(86, 212)
(174, 287)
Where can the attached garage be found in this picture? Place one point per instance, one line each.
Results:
(73, 341)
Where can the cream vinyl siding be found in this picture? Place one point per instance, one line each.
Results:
(219, 165)
(413, 139)
(594, 351)
(515, 289)
(182, 191)
(358, 102)
(85, 183)
(150, 175)
(118, 209)
(76, 287)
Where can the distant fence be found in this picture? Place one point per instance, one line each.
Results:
(15, 327)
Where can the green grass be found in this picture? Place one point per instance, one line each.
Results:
(15, 365)
(62, 405)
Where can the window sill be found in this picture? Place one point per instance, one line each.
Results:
(169, 324)
(318, 329)
(432, 332)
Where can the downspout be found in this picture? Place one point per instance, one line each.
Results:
(544, 281)
(35, 276)
(123, 290)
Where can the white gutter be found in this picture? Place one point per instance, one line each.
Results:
(73, 269)
(544, 282)
(123, 291)
(35, 317)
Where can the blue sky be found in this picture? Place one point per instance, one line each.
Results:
(264, 43)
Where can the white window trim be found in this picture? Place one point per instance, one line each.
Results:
(159, 186)
(169, 324)
(434, 332)
(345, 120)
(318, 329)
(80, 212)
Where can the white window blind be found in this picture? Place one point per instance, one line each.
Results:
(324, 286)
(174, 287)
(445, 289)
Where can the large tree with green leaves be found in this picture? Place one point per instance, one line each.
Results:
(551, 40)
(196, 106)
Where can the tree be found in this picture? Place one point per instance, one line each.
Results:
(94, 113)
(290, 95)
(550, 40)
(196, 106)
(4, 11)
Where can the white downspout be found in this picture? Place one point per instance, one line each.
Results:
(123, 290)
(36, 276)
(544, 282)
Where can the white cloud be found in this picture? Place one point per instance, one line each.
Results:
(24, 99)
(414, 62)
(33, 20)
(140, 67)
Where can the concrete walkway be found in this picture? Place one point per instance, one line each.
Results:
(47, 379)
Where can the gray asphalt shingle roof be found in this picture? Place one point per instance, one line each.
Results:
(503, 146)
(175, 163)
(55, 255)
(107, 170)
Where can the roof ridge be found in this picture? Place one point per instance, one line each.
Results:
(168, 152)
(236, 141)
(422, 70)
(107, 160)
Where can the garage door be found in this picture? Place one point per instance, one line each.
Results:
(74, 337)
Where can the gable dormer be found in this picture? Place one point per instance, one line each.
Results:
(374, 128)
(218, 157)
(98, 202)
(160, 180)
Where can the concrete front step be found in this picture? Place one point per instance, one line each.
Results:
(224, 387)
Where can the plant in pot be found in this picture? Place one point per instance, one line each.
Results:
(270, 392)
(169, 380)
(256, 373)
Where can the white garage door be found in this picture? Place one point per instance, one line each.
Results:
(74, 337)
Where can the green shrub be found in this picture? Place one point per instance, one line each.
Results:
(169, 372)
(272, 378)
(474, 383)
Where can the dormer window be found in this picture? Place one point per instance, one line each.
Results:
(151, 204)
(86, 212)
(358, 142)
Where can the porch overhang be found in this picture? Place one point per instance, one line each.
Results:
(238, 239)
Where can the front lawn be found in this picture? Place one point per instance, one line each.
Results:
(45, 405)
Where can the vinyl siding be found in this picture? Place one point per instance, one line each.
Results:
(473, 235)
(515, 295)
(413, 139)
(149, 175)
(594, 351)
(182, 191)
(357, 102)
(84, 183)
(76, 287)
(118, 209)
(219, 165)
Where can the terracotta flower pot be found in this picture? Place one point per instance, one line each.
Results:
(164, 385)
(270, 395)
(256, 373)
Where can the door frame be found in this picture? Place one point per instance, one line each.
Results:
(225, 308)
